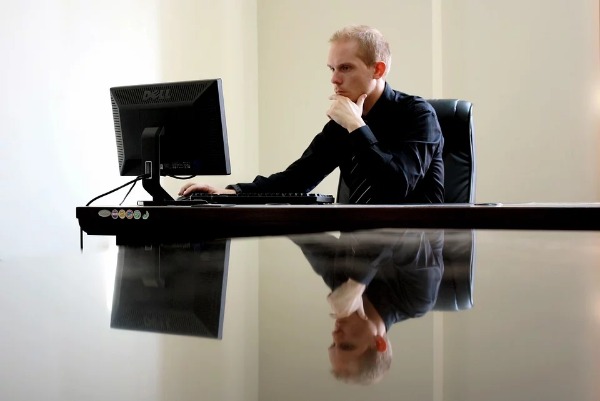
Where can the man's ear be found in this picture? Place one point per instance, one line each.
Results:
(380, 69)
(380, 343)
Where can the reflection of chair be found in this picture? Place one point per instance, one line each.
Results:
(456, 287)
(456, 121)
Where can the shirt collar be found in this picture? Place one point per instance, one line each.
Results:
(386, 96)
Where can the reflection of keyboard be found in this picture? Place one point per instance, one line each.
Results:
(199, 198)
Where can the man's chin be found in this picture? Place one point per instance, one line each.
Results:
(354, 98)
(350, 96)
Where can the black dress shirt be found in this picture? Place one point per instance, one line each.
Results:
(400, 148)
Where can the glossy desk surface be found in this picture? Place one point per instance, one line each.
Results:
(226, 220)
(481, 315)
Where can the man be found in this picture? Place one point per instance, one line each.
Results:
(378, 279)
(387, 144)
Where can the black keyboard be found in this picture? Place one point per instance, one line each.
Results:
(200, 198)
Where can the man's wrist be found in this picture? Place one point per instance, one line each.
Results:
(355, 125)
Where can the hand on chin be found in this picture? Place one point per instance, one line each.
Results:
(348, 95)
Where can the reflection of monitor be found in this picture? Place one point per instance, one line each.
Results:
(172, 288)
(172, 129)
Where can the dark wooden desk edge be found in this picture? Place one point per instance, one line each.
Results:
(243, 221)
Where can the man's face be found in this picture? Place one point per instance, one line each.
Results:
(352, 336)
(351, 77)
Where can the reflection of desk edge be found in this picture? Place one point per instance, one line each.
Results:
(241, 221)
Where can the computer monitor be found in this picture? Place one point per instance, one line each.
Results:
(170, 129)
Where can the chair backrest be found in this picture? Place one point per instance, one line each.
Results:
(456, 121)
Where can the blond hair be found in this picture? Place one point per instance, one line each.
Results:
(372, 46)
(372, 366)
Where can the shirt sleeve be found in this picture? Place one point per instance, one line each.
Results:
(351, 256)
(304, 174)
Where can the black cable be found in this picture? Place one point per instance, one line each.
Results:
(134, 181)
(128, 192)
(116, 189)
(187, 177)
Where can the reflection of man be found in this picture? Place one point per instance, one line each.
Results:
(377, 278)
(387, 144)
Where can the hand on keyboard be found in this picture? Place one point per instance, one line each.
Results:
(258, 198)
(191, 187)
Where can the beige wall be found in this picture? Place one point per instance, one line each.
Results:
(213, 38)
(531, 74)
(531, 69)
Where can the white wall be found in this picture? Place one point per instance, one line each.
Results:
(60, 58)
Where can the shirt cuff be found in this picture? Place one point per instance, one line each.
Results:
(235, 187)
(363, 136)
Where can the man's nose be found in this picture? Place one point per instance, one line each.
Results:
(335, 78)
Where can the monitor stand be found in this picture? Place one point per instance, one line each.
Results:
(151, 157)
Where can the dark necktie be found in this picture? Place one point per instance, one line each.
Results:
(361, 191)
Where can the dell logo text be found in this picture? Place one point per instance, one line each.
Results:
(162, 94)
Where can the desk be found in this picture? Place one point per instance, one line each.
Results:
(523, 324)
(236, 221)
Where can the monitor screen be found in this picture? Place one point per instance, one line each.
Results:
(170, 129)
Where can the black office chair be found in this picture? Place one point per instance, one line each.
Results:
(456, 121)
